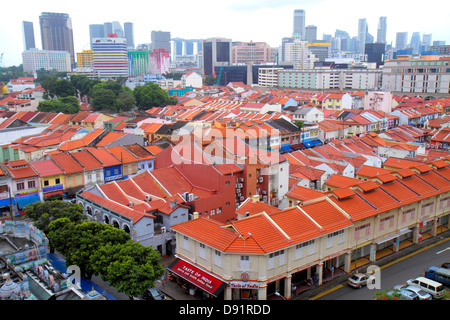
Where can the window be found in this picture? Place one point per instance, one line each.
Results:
(218, 258)
(31, 184)
(185, 242)
(245, 263)
(20, 186)
(46, 183)
(57, 181)
(202, 251)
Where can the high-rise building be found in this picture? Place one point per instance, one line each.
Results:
(216, 51)
(311, 33)
(381, 32)
(57, 33)
(297, 53)
(426, 40)
(138, 62)
(401, 40)
(96, 31)
(299, 23)
(362, 35)
(321, 50)
(35, 59)
(160, 40)
(129, 34)
(110, 57)
(85, 59)
(28, 35)
(375, 52)
(159, 61)
(117, 29)
(415, 42)
(255, 52)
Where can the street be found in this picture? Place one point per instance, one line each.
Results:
(395, 273)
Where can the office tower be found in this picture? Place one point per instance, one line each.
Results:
(107, 29)
(415, 42)
(256, 52)
(96, 31)
(110, 57)
(401, 40)
(342, 39)
(375, 52)
(35, 59)
(362, 35)
(321, 50)
(129, 34)
(311, 33)
(160, 40)
(284, 42)
(117, 29)
(299, 23)
(159, 61)
(216, 51)
(57, 33)
(28, 35)
(381, 32)
(426, 39)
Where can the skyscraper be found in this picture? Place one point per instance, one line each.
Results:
(129, 34)
(110, 58)
(117, 29)
(57, 33)
(401, 40)
(299, 23)
(96, 31)
(311, 33)
(362, 35)
(28, 35)
(160, 40)
(415, 42)
(216, 51)
(381, 32)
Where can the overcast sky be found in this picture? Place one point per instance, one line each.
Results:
(240, 20)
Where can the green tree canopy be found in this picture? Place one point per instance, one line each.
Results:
(131, 268)
(67, 105)
(78, 241)
(151, 95)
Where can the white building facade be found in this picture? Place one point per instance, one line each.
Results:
(35, 59)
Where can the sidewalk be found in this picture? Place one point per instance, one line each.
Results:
(312, 293)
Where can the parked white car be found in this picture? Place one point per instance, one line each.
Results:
(419, 292)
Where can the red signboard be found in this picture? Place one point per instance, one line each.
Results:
(197, 277)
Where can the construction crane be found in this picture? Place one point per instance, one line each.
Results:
(220, 74)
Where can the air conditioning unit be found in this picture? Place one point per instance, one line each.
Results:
(241, 179)
(264, 198)
(239, 195)
(260, 179)
(264, 192)
(238, 190)
(163, 230)
(131, 203)
(190, 197)
(240, 185)
(148, 197)
(241, 198)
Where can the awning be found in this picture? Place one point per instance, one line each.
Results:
(197, 277)
(312, 143)
(26, 200)
(54, 194)
(5, 202)
(393, 236)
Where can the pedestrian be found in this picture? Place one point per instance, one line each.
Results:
(294, 289)
(332, 272)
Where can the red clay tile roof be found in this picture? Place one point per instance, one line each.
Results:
(67, 163)
(46, 168)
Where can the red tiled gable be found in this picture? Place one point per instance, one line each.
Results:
(371, 172)
(19, 169)
(46, 168)
(67, 163)
(304, 194)
(104, 156)
(341, 181)
(251, 207)
(87, 160)
(122, 154)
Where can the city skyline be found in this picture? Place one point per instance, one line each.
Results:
(259, 21)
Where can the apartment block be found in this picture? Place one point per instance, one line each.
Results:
(35, 59)
(255, 52)
(110, 57)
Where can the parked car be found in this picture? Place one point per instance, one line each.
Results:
(436, 289)
(358, 280)
(422, 295)
(404, 294)
(153, 294)
(446, 265)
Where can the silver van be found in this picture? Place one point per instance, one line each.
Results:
(434, 288)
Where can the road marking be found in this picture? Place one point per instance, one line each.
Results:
(385, 266)
(443, 250)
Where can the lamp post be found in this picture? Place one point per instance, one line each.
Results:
(356, 248)
(280, 295)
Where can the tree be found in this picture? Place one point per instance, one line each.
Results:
(125, 101)
(102, 98)
(67, 105)
(151, 95)
(78, 241)
(131, 268)
(42, 213)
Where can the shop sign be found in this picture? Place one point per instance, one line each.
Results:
(244, 285)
